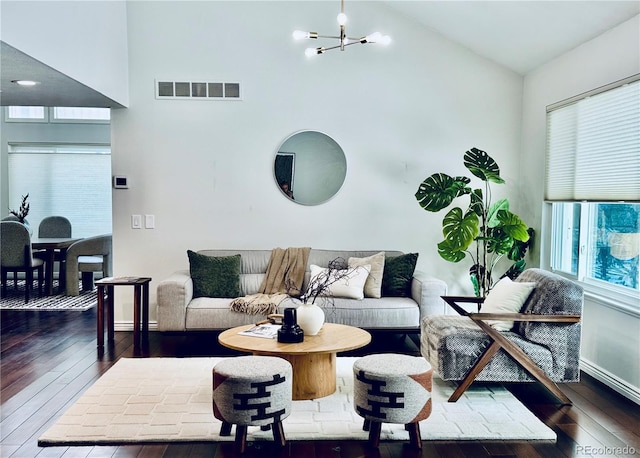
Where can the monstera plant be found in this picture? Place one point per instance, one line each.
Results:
(485, 231)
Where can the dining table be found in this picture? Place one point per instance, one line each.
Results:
(50, 245)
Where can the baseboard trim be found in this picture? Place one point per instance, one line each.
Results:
(128, 326)
(612, 381)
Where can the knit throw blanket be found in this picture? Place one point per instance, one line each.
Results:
(284, 277)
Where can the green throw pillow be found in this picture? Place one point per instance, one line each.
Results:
(214, 276)
(398, 272)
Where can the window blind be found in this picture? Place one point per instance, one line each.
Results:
(593, 148)
(68, 180)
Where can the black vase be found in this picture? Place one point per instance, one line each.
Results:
(290, 332)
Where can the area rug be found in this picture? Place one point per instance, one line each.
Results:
(14, 299)
(147, 400)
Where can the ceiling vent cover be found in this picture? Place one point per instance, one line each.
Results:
(198, 90)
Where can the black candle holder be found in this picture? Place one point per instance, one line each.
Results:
(290, 332)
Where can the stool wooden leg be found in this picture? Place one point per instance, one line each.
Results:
(366, 426)
(241, 438)
(225, 429)
(278, 434)
(374, 433)
(414, 434)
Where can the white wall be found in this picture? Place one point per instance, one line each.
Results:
(205, 169)
(611, 337)
(85, 40)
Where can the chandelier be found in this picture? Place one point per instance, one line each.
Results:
(344, 40)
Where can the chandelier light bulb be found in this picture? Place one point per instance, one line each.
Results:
(300, 34)
(310, 52)
(342, 19)
(385, 40)
(374, 37)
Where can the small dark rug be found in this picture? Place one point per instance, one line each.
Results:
(14, 299)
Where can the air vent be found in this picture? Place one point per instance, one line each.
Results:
(197, 90)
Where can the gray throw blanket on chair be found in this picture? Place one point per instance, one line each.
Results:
(284, 277)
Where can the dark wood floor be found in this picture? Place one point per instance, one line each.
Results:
(48, 359)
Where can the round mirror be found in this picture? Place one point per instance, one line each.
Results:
(310, 167)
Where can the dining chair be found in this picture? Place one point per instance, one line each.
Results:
(16, 256)
(55, 227)
(87, 256)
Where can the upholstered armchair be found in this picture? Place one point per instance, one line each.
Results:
(87, 256)
(541, 343)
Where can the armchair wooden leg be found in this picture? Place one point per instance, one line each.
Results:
(475, 370)
(523, 359)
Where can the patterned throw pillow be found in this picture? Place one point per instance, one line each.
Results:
(398, 274)
(214, 276)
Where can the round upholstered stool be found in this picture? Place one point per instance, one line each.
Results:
(391, 388)
(252, 391)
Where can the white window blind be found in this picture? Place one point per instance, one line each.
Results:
(68, 180)
(593, 148)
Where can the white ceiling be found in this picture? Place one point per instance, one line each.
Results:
(521, 35)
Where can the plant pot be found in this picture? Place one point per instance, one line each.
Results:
(310, 318)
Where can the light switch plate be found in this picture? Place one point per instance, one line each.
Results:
(149, 221)
(136, 222)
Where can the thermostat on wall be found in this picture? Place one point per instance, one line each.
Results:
(120, 182)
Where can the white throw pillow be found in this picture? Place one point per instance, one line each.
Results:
(373, 285)
(350, 286)
(506, 297)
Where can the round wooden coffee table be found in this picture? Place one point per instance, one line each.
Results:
(313, 360)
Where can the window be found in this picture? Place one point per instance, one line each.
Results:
(605, 250)
(26, 114)
(79, 114)
(593, 187)
(69, 180)
(57, 114)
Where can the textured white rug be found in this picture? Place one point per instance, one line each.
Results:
(146, 400)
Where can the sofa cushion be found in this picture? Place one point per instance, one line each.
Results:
(214, 276)
(350, 283)
(398, 272)
(506, 296)
(373, 285)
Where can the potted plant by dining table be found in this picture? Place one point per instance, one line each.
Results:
(22, 212)
(486, 231)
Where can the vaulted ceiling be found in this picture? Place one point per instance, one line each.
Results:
(520, 35)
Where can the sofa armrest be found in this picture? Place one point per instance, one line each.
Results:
(427, 292)
(173, 296)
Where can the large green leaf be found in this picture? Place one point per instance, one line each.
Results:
(448, 252)
(519, 249)
(482, 165)
(476, 205)
(515, 270)
(439, 190)
(513, 226)
(460, 229)
(498, 241)
(492, 214)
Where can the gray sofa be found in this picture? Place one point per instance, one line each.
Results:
(178, 310)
